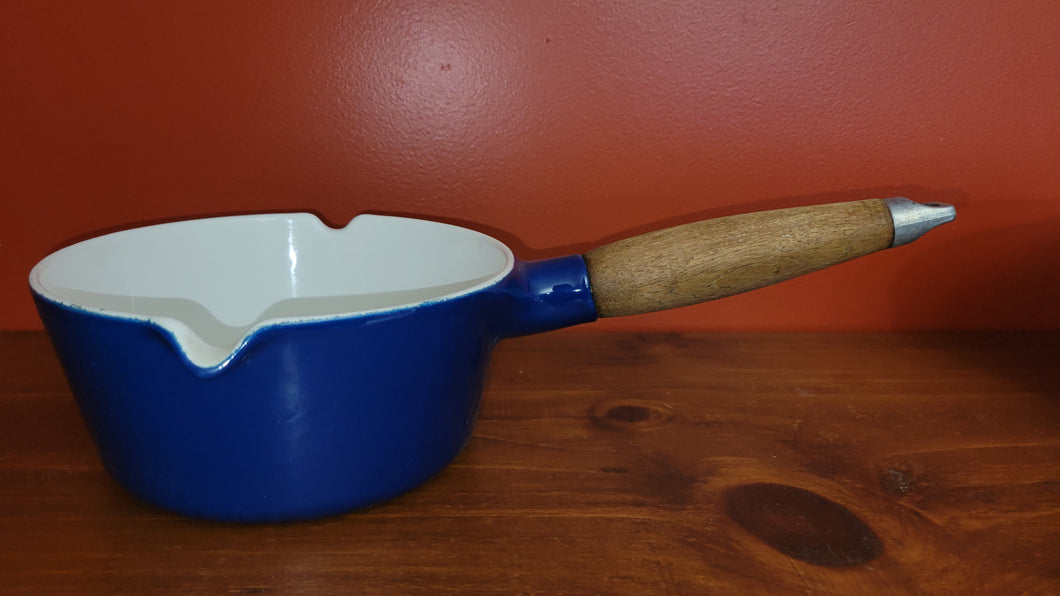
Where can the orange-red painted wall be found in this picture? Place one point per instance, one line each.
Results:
(556, 125)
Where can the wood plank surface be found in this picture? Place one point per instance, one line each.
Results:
(615, 463)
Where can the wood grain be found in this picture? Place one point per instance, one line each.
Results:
(619, 464)
(715, 258)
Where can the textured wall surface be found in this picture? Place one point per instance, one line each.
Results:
(556, 126)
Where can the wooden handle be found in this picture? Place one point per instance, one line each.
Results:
(712, 259)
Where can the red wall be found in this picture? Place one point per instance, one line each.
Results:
(554, 126)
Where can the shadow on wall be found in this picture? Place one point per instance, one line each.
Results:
(1009, 277)
(524, 251)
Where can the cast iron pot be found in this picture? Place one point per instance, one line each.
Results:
(268, 367)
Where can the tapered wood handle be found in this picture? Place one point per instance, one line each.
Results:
(721, 257)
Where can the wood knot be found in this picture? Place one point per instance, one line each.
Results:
(897, 481)
(632, 414)
(802, 524)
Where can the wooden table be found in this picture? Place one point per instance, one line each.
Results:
(616, 463)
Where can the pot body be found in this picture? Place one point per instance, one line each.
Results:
(308, 418)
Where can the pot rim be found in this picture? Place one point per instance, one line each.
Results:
(440, 243)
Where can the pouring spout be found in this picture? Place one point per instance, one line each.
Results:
(912, 220)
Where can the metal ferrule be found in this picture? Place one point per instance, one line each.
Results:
(912, 220)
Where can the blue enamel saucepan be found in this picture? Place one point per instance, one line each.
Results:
(268, 367)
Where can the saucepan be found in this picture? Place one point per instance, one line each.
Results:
(269, 367)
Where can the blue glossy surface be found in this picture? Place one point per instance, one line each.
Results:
(311, 418)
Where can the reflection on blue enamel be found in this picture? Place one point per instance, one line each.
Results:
(544, 295)
(308, 418)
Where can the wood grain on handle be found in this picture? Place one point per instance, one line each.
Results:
(715, 258)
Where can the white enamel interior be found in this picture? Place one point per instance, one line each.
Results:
(210, 282)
